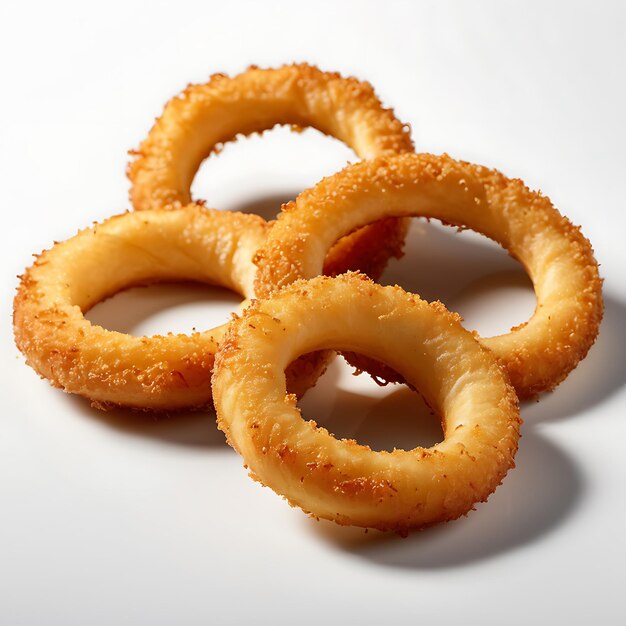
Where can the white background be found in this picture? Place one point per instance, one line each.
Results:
(120, 519)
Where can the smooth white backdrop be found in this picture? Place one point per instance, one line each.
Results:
(120, 519)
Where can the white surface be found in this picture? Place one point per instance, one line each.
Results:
(114, 519)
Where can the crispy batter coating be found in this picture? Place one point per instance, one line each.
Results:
(559, 260)
(112, 368)
(342, 480)
(203, 117)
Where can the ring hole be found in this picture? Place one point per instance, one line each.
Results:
(355, 407)
(257, 174)
(165, 307)
(468, 272)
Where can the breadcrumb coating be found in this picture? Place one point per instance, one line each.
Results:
(342, 480)
(111, 368)
(198, 122)
(537, 355)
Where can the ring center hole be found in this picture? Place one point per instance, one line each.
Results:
(257, 174)
(468, 272)
(165, 307)
(355, 407)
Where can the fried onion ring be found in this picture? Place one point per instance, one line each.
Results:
(204, 117)
(342, 480)
(538, 354)
(112, 368)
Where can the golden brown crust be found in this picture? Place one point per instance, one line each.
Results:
(111, 368)
(368, 250)
(203, 117)
(341, 480)
(559, 259)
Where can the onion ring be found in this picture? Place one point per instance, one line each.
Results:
(538, 354)
(203, 117)
(111, 368)
(341, 480)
